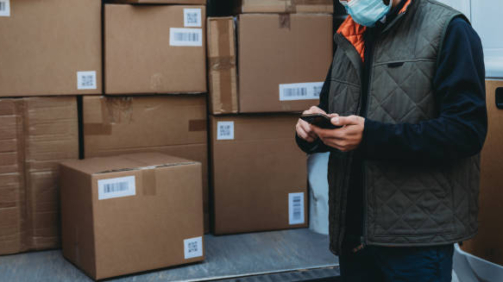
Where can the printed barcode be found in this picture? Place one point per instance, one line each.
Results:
(3, 7)
(296, 208)
(192, 18)
(87, 80)
(187, 37)
(192, 247)
(116, 187)
(225, 130)
(297, 213)
(317, 90)
(295, 92)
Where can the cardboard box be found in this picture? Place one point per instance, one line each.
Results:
(222, 66)
(488, 243)
(35, 134)
(50, 47)
(259, 175)
(283, 61)
(155, 49)
(131, 213)
(181, 2)
(175, 125)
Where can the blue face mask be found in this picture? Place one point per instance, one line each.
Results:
(366, 12)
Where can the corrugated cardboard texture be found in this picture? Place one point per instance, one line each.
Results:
(281, 49)
(36, 133)
(488, 244)
(185, 2)
(174, 125)
(287, 6)
(100, 236)
(222, 66)
(253, 174)
(45, 43)
(138, 55)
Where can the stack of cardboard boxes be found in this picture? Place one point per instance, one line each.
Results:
(265, 67)
(121, 86)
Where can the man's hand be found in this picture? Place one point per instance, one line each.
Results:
(304, 129)
(346, 138)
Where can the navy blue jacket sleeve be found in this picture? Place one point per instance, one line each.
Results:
(461, 127)
(317, 146)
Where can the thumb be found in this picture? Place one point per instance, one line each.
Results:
(340, 121)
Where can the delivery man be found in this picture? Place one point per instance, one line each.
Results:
(407, 85)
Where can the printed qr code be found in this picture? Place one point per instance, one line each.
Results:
(192, 18)
(87, 80)
(225, 130)
(192, 247)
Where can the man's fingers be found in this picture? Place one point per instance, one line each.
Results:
(304, 134)
(307, 128)
(314, 110)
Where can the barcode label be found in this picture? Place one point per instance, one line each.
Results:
(4, 8)
(86, 80)
(192, 18)
(296, 208)
(300, 91)
(193, 247)
(116, 187)
(186, 37)
(225, 130)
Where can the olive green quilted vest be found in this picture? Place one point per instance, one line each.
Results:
(406, 203)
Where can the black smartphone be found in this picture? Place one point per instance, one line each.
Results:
(319, 120)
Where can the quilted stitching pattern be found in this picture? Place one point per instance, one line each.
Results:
(407, 203)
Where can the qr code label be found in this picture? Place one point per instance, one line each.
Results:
(225, 130)
(4, 8)
(86, 80)
(116, 187)
(300, 91)
(192, 18)
(296, 208)
(193, 247)
(186, 37)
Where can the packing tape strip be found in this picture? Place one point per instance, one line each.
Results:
(149, 182)
(291, 5)
(197, 125)
(224, 64)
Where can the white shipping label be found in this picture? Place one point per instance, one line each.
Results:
(193, 247)
(86, 80)
(4, 8)
(225, 130)
(296, 208)
(116, 187)
(186, 37)
(192, 18)
(300, 91)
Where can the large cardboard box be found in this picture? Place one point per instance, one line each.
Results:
(222, 74)
(259, 174)
(35, 134)
(155, 49)
(50, 47)
(182, 2)
(131, 213)
(175, 125)
(488, 243)
(283, 61)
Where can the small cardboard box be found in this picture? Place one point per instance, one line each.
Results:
(131, 213)
(283, 61)
(259, 174)
(155, 49)
(222, 74)
(50, 47)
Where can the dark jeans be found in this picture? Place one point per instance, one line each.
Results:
(393, 264)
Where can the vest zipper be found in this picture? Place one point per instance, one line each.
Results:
(364, 111)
